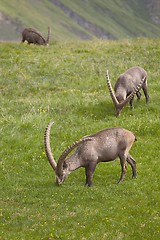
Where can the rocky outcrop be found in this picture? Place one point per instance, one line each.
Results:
(154, 10)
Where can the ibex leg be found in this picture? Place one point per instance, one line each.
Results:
(138, 96)
(145, 92)
(89, 174)
(132, 162)
(123, 166)
(131, 102)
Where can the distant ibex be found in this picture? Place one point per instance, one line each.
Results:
(104, 146)
(128, 84)
(33, 36)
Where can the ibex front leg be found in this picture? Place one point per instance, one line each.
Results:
(131, 102)
(138, 96)
(89, 174)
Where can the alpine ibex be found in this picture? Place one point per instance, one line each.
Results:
(33, 36)
(103, 146)
(128, 84)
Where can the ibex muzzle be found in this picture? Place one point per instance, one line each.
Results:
(33, 36)
(128, 84)
(103, 146)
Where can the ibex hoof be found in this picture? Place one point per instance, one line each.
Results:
(88, 185)
(134, 176)
(120, 181)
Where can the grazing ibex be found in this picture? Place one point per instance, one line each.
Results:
(128, 84)
(33, 36)
(103, 146)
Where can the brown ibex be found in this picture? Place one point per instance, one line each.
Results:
(128, 84)
(103, 146)
(33, 36)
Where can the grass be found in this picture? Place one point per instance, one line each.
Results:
(65, 82)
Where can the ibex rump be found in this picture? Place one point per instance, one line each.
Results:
(103, 146)
(33, 36)
(128, 84)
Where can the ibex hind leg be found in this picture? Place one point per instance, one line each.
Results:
(123, 166)
(132, 162)
(145, 92)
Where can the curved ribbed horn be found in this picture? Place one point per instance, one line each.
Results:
(48, 147)
(49, 31)
(122, 104)
(67, 151)
(115, 101)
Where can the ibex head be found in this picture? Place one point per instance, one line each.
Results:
(61, 168)
(120, 103)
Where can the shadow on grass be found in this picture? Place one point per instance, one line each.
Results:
(97, 111)
(106, 110)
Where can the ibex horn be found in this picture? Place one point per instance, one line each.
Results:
(47, 40)
(48, 147)
(115, 101)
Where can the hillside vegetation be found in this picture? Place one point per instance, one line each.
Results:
(76, 19)
(65, 83)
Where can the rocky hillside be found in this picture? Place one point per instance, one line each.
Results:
(153, 7)
(86, 19)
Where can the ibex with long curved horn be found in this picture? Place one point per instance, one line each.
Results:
(128, 84)
(103, 146)
(33, 36)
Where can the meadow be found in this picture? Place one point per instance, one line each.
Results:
(65, 83)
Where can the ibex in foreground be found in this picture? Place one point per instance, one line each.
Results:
(104, 146)
(128, 84)
(33, 36)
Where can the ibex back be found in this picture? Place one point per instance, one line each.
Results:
(128, 84)
(104, 146)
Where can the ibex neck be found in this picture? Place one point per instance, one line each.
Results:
(73, 162)
(120, 95)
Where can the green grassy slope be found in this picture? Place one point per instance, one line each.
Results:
(121, 19)
(65, 82)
